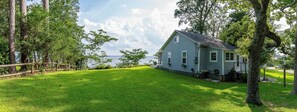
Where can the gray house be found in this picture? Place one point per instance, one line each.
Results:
(193, 53)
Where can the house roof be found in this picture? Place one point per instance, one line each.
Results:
(203, 40)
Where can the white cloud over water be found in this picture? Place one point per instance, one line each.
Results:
(145, 27)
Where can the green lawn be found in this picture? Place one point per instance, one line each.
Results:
(136, 89)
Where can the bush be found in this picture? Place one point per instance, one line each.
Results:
(124, 65)
(103, 66)
(231, 77)
(244, 77)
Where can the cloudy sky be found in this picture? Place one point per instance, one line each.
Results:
(142, 24)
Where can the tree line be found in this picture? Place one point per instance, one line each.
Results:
(46, 32)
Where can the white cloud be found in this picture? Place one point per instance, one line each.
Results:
(146, 28)
(89, 25)
(135, 11)
(283, 24)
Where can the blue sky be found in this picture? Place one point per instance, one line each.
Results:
(142, 24)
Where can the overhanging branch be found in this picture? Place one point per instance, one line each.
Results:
(275, 38)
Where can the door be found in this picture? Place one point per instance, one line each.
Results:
(237, 65)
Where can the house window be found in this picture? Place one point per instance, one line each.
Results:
(213, 56)
(229, 56)
(160, 59)
(244, 60)
(184, 57)
(237, 60)
(169, 58)
(176, 39)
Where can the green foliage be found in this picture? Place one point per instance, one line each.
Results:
(131, 58)
(231, 75)
(4, 54)
(103, 66)
(94, 41)
(239, 32)
(244, 77)
(196, 14)
(56, 34)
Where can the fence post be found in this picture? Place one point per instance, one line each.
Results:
(32, 68)
(68, 67)
(56, 66)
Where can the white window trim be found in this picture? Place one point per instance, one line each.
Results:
(237, 60)
(234, 56)
(186, 57)
(216, 56)
(177, 39)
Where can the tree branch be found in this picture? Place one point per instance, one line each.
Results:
(265, 5)
(282, 10)
(290, 5)
(256, 5)
(275, 38)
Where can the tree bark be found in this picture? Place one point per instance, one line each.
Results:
(23, 34)
(46, 5)
(255, 50)
(46, 55)
(294, 91)
(12, 35)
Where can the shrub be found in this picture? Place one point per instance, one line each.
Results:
(155, 63)
(103, 66)
(231, 75)
(244, 77)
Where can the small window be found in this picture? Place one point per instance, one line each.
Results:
(229, 56)
(184, 57)
(176, 39)
(160, 59)
(237, 60)
(213, 56)
(169, 58)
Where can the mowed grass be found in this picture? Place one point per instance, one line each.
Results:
(136, 89)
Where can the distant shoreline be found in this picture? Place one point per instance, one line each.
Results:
(121, 56)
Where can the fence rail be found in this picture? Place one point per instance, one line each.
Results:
(35, 68)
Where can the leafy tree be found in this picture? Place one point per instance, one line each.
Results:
(4, 51)
(94, 41)
(239, 32)
(196, 14)
(292, 3)
(4, 54)
(132, 58)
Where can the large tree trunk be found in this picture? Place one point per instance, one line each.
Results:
(12, 35)
(294, 91)
(255, 50)
(23, 34)
(254, 65)
(46, 55)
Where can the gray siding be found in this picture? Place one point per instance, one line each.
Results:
(176, 49)
(203, 58)
(211, 66)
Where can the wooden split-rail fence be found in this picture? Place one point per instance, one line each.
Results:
(32, 68)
